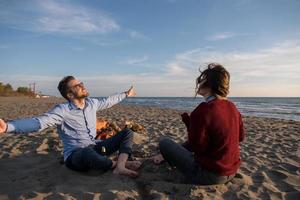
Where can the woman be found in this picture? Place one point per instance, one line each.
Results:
(211, 154)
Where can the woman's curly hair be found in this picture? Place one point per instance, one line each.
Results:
(215, 77)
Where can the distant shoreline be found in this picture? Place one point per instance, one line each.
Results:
(51, 101)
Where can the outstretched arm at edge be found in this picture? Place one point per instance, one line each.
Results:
(34, 124)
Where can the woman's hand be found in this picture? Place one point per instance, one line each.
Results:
(184, 115)
(185, 118)
(3, 126)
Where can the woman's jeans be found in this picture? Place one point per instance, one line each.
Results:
(95, 156)
(178, 156)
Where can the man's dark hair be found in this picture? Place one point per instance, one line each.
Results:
(216, 78)
(63, 86)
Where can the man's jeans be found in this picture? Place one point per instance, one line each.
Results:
(95, 156)
(178, 156)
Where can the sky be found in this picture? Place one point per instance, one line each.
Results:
(158, 46)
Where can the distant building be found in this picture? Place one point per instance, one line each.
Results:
(37, 96)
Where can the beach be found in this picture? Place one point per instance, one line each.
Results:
(30, 165)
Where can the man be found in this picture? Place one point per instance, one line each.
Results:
(76, 125)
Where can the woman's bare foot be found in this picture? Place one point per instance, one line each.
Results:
(133, 165)
(125, 172)
(157, 159)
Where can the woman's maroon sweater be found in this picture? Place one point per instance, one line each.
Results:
(215, 130)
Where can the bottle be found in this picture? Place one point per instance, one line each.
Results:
(103, 150)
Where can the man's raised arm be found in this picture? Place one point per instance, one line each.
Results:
(108, 102)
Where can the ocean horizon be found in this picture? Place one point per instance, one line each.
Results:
(271, 107)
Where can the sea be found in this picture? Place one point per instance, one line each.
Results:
(271, 107)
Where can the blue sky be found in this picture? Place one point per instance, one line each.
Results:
(155, 45)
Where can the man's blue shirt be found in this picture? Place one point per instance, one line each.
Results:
(76, 127)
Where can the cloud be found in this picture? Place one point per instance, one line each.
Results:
(221, 36)
(176, 69)
(137, 35)
(183, 64)
(153, 84)
(56, 17)
(103, 85)
(135, 61)
(100, 41)
(271, 71)
(277, 60)
(269, 67)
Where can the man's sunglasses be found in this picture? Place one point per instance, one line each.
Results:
(77, 85)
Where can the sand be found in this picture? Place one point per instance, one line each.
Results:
(30, 165)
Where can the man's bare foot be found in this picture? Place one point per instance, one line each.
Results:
(157, 159)
(114, 164)
(133, 165)
(125, 172)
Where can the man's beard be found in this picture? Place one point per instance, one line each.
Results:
(82, 96)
